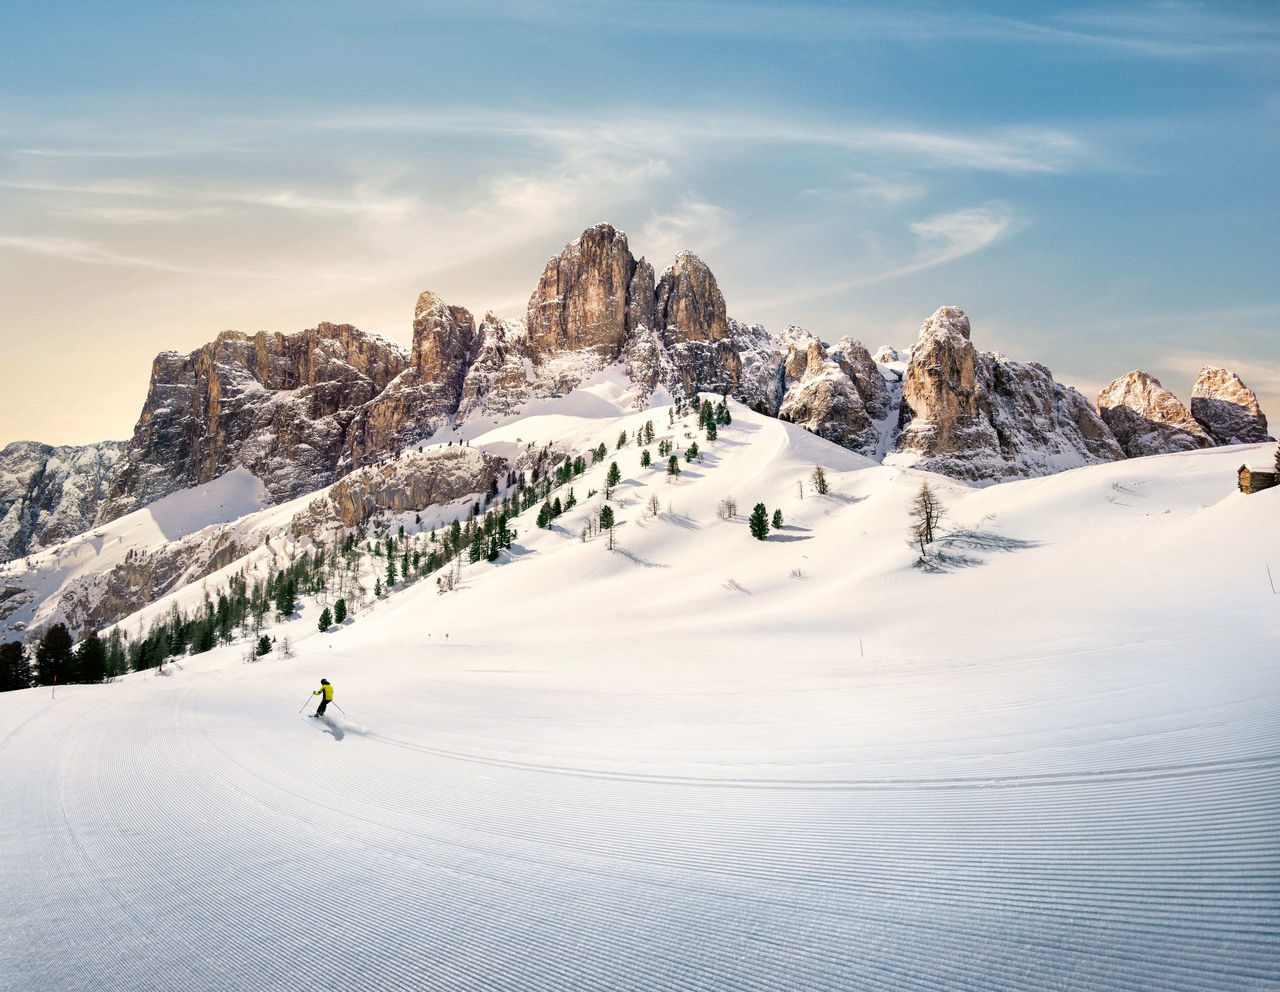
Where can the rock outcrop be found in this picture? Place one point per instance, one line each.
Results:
(425, 396)
(581, 302)
(48, 494)
(1147, 419)
(1227, 409)
(820, 395)
(983, 417)
(415, 481)
(279, 405)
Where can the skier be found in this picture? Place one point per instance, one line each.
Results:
(326, 692)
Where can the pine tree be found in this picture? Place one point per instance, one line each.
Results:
(377, 586)
(340, 611)
(544, 515)
(53, 656)
(819, 480)
(90, 663)
(926, 513)
(326, 620)
(612, 479)
(692, 452)
(264, 645)
(391, 572)
(286, 596)
(571, 501)
(711, 430)
(645, 460)
(777, 519)
(556, 508)
(606, 522)
(758, 522)
(622, 440)
(673, 465)
(15, 670)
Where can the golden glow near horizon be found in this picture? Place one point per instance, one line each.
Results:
(165, 175)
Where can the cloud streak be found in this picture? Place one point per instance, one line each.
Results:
(944, 238)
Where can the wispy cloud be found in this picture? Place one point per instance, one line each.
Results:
(941, 239)
(691, 223)
(75, 250)
(1008, 149)
(1166, 30)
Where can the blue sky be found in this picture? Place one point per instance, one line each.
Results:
(1094, 184)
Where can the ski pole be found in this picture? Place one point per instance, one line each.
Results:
(340, 709)
(307, 703)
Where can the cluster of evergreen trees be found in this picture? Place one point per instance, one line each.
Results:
(242, 607)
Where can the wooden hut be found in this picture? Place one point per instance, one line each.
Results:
(1254, 478)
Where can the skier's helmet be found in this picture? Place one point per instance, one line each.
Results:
(324, 681)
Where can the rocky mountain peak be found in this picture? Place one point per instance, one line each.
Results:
(1227, 409)
(581, 300)
(1147, 419)
(688, 303)
(983, 417)
(945, 322)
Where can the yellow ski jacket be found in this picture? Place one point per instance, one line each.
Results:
(328, 692)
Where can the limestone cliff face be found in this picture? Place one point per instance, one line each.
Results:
(1227, 409)
(688, 303)
(982, 417)
(414, 481)
(865, 374)
(425, 396)
(941, 405)
(279, 405)
(820, 395)
(48, 494)
(1147, 419)
(581, 300)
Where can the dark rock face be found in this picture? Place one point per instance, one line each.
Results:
(1227, 409)
(48, 494)
(1147, 419)
(983, 417)
(278, 405)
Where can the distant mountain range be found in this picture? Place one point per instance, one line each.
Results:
(300, 411)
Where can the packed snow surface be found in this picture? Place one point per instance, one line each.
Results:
(700, 761)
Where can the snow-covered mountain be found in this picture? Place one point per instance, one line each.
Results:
(48, 494)
(301, 410)
(696, 760)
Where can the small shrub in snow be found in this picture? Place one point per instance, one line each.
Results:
(819, 480)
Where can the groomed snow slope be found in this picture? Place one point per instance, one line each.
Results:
(702, 761)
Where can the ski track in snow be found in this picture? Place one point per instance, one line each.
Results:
(678, 787)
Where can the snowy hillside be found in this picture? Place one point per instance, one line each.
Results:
(699, 760)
